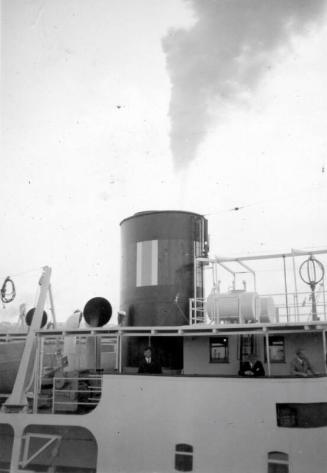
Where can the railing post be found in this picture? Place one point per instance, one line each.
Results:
(286, 291)
(53, 395)
(324, 349)
(296, 300)
(120, 352)
(324, 298)
(195, 282)
(268, 353)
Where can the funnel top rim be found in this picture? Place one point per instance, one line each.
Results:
(154, 212)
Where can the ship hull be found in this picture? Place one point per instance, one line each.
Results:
(230, 424)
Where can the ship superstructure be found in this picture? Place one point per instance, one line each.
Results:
(77, 402)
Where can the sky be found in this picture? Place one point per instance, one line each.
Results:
(110, 107)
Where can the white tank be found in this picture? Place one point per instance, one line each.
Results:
(239, 306)
(212, 306)
(268, 310)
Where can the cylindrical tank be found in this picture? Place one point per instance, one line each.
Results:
(239, 306)
(157, 267)
(268, 310)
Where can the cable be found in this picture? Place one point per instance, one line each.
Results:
(267, 201)
(233, 209)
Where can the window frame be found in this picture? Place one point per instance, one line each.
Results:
(282, 461)
(183, 457)
(216, 340)
(273, 359)
(301, 415)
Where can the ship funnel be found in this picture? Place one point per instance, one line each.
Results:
(97, 312)
(29, 317)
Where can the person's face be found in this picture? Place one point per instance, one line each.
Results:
(147, 353)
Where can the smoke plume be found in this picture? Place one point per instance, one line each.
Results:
(223, 56)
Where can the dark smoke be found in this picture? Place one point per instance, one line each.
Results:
(226, 52)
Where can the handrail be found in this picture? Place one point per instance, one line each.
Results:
(91, 390)
(292, 312)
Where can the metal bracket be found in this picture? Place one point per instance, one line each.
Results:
(50, 440)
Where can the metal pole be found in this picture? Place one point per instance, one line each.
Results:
(324, 349)
(195, 281)
(120, 343)
(286, 291)
(241, 351)
(250, 270)
(324, 297)
(16, 449)
(313, 302)
(260, 257)
(117, 354)
(295, 287)
(53, 395)
(229, 271)
(268, 354)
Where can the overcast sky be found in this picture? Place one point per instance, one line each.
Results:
(110, 107)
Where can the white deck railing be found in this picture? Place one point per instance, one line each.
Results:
(291, 307)
(72, 395)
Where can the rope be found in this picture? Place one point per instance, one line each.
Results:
(8, 295)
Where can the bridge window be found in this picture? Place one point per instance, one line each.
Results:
(304, 415)
(184, 457)
(276, 349)
(218, 350)
(278, 462)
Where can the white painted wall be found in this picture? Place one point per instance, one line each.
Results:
(230, 422)
(197, 356)
(312, 345)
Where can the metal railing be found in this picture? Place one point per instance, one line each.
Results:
(76, 392)
(197, 312)
(69, 394)
(290, 307)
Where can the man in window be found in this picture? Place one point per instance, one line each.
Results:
(148, 364)
(300, 365)
(252, 367)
